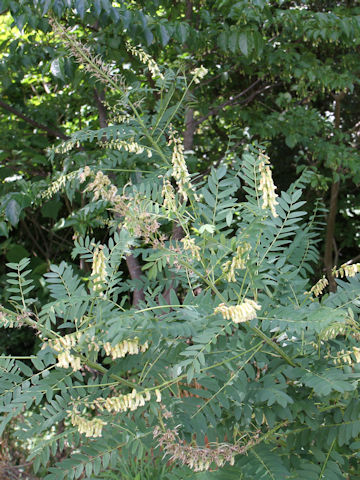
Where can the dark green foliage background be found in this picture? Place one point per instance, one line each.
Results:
(275, 69)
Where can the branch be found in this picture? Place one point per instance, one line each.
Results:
(132, 262)
(353, 260)
(99, 96)
(331, 219)
(135, 272)
(33, 239)
(53, 132)
(233, 100)
(190, 128)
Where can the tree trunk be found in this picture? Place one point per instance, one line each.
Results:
(331, 219)
(132, 262)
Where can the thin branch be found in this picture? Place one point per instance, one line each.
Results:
(353, 260)
(135, 272)
(99, 96)
(132, 262)
(331, 218)
(233, 100)
(33, 239)
(53, 132)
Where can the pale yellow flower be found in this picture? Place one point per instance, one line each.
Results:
(126, 347)
(190, 245)
(347, 270)
(128, 145)
(319, 286)
(199, 73)
(123, 403)
(63, 346)
(345, 356)
(91, 428)
(146, 59)
(99, 268)
(239, 313)
(168, 195)
(84, 174)
(266, 185)
(179, 170)
(238, 262)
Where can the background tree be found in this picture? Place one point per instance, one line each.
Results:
(283, 73)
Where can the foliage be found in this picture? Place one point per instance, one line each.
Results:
(274, 70)
(228, 366)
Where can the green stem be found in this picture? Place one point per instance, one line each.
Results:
(272, 344)
(255, 330)
(112, 83)
(327, 459)
(103, 370)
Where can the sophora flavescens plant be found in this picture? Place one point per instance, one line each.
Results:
(248, 370)
(233, 365)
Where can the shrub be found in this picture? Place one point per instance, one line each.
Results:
(227, 362)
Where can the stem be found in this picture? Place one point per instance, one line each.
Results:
(232, 376)
(108, 80)
(326, 459)
(331, 220)
(255, 330)
(101, 369)
(272, 344)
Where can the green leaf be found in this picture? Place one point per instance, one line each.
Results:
(291, 140)
(243, 43)
(80, 7)
(4, 232)
(51, 209)
(12, 212)
(210, 200)
(327, 381)
(25, 369)
(149, 37)
(164, 35)
(57, 68)
(233, 41)
(16, 253)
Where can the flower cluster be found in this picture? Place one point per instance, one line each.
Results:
(128, 145)
(134, 210)
(93, 64)
(66, 146)
(180, 171)
(239, 313)
(266, 185)
(5, 321)
(189, 244)
(99, 268)
(238, 261)
(319, 286)
(345, 356)
(198, 458)
(102, 188)
(63, 346)
(137, 219)
(130, 346)
(146, 59)
(84, 174)
(332, 331)
(346, 270)
(122, 118)
(199, 73)
(123, 403)
(168, 195)
(91, 428)
(66, 359)
(60, 183)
